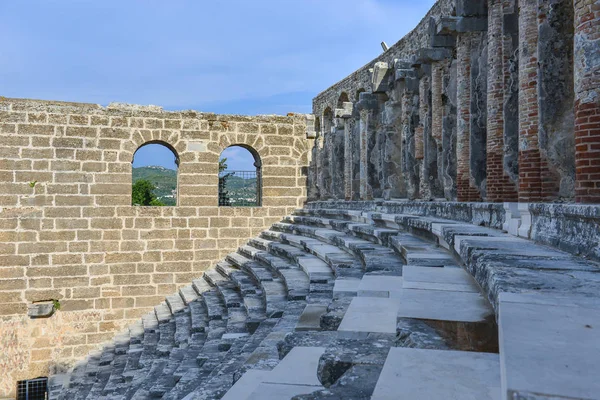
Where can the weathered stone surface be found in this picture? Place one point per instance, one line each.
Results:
(528, 327)
(460, 375)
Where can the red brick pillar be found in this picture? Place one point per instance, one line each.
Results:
(499, 186)
(465, 190)
(530, 162)
(587, 101)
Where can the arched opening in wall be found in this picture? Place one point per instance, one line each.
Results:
(240, 178)
(342, 99)
(154, 175)
(358, 92)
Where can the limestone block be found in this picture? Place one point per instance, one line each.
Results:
(371, 314)
(446, 26)
(438, 374)
(380, 77)
(367, 101)
(548, 348)
(379, 286)
(439, 40)
(512, 219)
(345, 111)
(40, 310)
(467, 8)
(472, 24)
(453, 25)
(405, 73)
(427, 56)
(525, 228)
(310, 319)
(311, 133)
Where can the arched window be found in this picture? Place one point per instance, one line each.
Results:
(240, 181)
(154, 175)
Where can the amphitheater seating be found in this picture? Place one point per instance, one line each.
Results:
(350, 304)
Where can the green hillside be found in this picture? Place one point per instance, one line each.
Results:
(164, 179)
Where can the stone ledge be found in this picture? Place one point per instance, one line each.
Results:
(572, 228)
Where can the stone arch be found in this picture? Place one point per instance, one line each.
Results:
(342, 99)
(247, 191)
(357, 95)
(163, 189)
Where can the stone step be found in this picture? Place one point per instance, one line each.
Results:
(83, 377)
(260, 243)
(221, 378)
(216, 309)
(166, 380)
(163, 313)
(373, 255)
(183, 327)
(295, 280)
(168, 356)
(531, 323)
(198, 316)
(280, 383)
(271, 285)
(456, 375)
(114, 365)
(188, 294)
(245, 283)
(175, 303)
(452, 279)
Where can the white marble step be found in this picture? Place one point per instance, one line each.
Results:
(294, 375)
(371, 314)
(442, 305)
(451, 279)
(549, 346)
(438, 375)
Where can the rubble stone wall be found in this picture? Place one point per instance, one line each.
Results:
(485, 100)
(69, 232)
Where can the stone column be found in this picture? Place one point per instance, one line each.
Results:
(499, 187)
(409, 87)
(421, 137)
(365, 115)
(466, 191)
(587, 100)
(337, 151)
(530, 163)
(343, 116)
(367, 106)
(510, 51)
(319, 158)
(437, 107)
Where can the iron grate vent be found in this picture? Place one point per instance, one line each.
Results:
(32, 389)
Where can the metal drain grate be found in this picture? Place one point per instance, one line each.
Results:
(32, 389)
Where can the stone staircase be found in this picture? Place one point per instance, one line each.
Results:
(336, 303)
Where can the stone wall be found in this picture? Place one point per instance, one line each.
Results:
(73, 235)
(485, 100)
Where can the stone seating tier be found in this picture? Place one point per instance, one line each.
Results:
(351, 300)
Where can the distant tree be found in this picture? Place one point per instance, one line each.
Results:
(224, 199)
(222, 164)
(142, 194)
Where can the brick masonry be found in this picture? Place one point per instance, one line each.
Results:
(587, 100)
(75, 237)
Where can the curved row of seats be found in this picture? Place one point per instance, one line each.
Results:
(320, 282)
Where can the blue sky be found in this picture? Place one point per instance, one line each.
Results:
(227, 56)
(238, 158)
